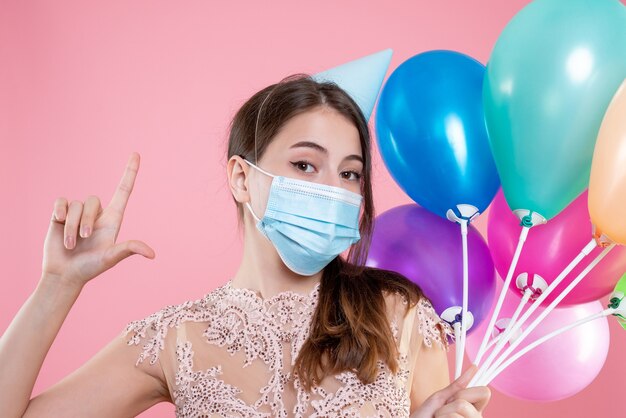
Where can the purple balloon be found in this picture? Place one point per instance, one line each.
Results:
(428, 250)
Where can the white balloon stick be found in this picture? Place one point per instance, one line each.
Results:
(548, 309)
(514, 327)
(507, 282)
(459, 364)
(542, 340)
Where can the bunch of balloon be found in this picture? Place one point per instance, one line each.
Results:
(607, 190)
(548, 83)
(431, 133)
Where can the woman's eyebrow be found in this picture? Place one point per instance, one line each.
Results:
(318, 147)
(309, 144)
(354, 157)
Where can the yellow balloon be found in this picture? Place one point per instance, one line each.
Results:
(607, 184)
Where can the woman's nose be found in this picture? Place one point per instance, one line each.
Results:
(331, 179)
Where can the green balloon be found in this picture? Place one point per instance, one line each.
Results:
(550, 78)
(615, 301)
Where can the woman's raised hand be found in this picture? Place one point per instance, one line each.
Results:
(455, 400)
(80, 243)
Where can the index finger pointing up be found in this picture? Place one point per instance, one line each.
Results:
(125, 187)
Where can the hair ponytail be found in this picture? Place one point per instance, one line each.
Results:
(349, 328)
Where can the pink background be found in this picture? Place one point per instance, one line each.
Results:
(82, 85)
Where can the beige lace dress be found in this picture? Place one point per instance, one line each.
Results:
(230, 354)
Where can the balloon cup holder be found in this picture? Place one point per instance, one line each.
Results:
(501, 325)
(535, 283)
(616, 302)
(534, 217)
(602, 240)
(453, 314)
(463, 212)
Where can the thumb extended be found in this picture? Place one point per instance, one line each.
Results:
(125, 249)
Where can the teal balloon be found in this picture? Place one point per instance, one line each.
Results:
(549, 80)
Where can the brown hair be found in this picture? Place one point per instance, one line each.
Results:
(349, 329)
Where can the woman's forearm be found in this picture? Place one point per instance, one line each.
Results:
(25, 343)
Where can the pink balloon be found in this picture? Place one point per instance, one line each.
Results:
(551, 247)
(559, 368)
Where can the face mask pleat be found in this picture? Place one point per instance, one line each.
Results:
(313, 207)
(317, 242)
(320, 190)
(327, 229)
(294, 258)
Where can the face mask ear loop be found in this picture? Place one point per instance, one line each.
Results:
(252, 212)
(259, 168)
(248, 203)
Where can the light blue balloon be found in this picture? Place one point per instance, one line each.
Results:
(431, 132)
(549, 81)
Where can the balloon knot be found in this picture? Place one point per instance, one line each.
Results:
(614, 303)
(527, 221)
(457, 318)
(535, 291)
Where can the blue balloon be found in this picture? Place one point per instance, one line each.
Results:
(432, 135)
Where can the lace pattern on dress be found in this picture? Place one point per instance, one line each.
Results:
(271, 331)
(153, 328)
(203, 392)
(432, 327)
(386, 395)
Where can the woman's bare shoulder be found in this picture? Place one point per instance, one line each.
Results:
(431, 326)
(423, 316)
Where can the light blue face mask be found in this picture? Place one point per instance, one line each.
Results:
(308, 223)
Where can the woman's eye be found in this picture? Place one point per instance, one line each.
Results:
(303, 165)
(351, 175)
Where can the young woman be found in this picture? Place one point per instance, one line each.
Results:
(298, 330)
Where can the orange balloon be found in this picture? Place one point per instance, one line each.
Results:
(607, 184)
